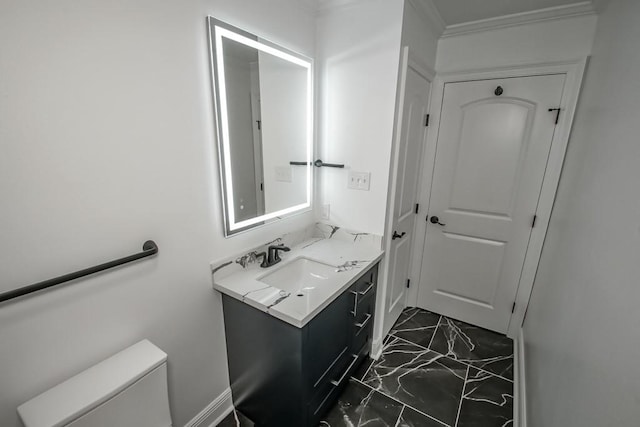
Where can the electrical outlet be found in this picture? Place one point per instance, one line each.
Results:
(284, 174)
(358, 180)
(325, 212)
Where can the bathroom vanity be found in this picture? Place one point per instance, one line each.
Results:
(297, 329)
(296, 332)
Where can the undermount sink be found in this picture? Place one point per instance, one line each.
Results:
(301, 275)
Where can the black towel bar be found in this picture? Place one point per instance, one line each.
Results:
(149, 248)
(318, 163)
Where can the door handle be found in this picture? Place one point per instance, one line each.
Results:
(435, 220)
(397, 236)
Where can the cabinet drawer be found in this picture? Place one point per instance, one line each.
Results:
(329, 390)
(363, 337)
(365, 309)
(363, 323)
(366, 283)
(323, 401)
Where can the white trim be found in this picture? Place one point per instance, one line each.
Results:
(376, 348)
(547, 14)
(519, 385)
(570, 96)
(214, 412)
(430, 13)
(379, 330)
(574, 71)
(407, 61)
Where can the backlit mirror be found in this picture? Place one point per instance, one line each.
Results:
(264, 114)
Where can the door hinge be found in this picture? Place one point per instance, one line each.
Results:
(417, 207)
(533, 222)
(557, 110)
(513, 308)
(408, 283)
(426, 119)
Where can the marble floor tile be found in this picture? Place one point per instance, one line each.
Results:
(420, 378)
(236, 419)
(411, 418)
(361, 370)
(487, 401)
(476, 346)
(416, 325)
(359, 405)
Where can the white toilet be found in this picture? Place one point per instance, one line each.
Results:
(128, 389)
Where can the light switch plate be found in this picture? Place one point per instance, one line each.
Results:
(359, 180)
(284, 174)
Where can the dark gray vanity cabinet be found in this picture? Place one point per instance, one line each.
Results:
(284, 376)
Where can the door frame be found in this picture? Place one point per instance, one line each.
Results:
(574, 71)
(407, 60)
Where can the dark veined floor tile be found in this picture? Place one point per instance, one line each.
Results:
(416, 325)
(487, 401)
(420, 378)
(476, 346)
(359, 405)
(411, 418)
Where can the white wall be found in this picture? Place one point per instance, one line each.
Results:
(358, 57)
(107, 140)
(547, 41)
(420, 35)
(581, 332)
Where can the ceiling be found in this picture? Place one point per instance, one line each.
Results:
(455, 12)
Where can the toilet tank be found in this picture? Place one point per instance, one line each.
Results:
(127, 389)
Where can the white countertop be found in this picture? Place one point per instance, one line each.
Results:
(351, 260)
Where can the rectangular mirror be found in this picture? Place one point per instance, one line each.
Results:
(264, 114)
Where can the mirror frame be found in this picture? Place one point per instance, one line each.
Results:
(217, 30)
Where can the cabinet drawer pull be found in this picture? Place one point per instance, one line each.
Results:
(363, 324)
(355, 303)
(337, 382)
(366, 291)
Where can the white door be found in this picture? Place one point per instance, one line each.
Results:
(408, 151)
(492, 151)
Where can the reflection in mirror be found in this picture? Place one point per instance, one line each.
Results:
(263, 98)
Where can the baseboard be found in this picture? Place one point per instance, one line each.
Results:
(376, 349)
(214, 412)
(520, 389)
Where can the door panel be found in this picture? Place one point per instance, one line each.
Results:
(477, 258)
(499, 150)
(408, 151)
(490, 162)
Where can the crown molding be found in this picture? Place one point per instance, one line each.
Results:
(548, 14)
(428, 10)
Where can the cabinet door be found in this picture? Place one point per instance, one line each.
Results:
(327, 339)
